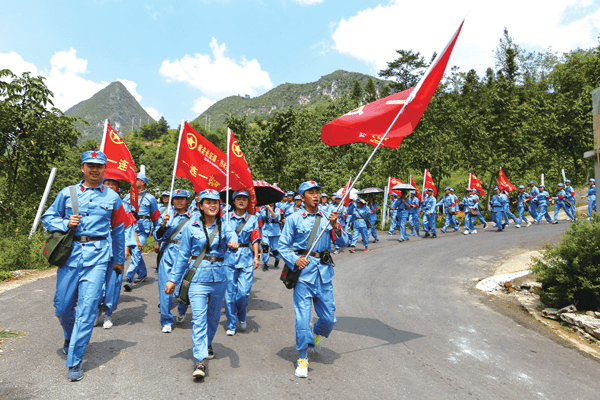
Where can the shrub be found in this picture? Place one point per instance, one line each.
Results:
(17, 252)
(570, 271)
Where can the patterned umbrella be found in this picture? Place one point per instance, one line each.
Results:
(265, 193)
(403, 186)
(371, 190)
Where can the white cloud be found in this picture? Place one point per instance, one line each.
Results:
(202, 104)
(374, 34)
(217, 76)
(153, 113)
(308, 2)
(16, 64)
(131, 88)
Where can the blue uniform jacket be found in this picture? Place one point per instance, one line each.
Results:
(295, 236)
(270, 225)
(542, 198)
(372, 213)
(147, 208)
(522, 198)
(498, 202)
(170, 253)
(101, 209)
(250, 234)
(193, 241)
(359, 217)
(428, 205)
(415, 205)
(591, 194)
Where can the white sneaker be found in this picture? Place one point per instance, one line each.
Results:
(517, 226)
(528, 223)
(97, 321)
(474, 231)
(180, 318)
(230, 332)
(243, 324)
(107, 322)
(302, 368)
(166, 329)
(466, 232)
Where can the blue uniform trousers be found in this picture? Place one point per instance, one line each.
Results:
(306, 295)
(79, 287)
(112, 289)
(166, 300)
(373, 230)
(413, 223)
(450, 220)
(430, 223)
(480, 217)
(402, 217)
(508, 213)
(497, 217)
(564, 207)
(393, 224)
(364, 233)
(533, 210)
(272, 242)
(591, 205)
(543, 212)
(206, 300)
(137, 264)
(469, 225)
(237, 295)
(522, 215)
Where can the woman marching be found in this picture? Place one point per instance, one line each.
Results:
(240, 264)
(204, 239)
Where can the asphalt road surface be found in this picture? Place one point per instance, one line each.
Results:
(410, 325)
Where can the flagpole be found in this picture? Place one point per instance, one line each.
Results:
(175, 167)
(103, 142)
(470, 175)
(564, 177)
(38, 215)
(384, 209)
(227, 176)
(424, 178)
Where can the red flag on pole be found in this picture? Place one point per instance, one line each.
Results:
(475, 183)
(429, 183)
(120, 164)
(369, 123)
(241, 176)
(419, 195)
(344, 191)
(200, 161)
(393, 182)
(504, 183)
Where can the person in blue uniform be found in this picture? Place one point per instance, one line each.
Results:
(470, 211)
(508, 213)
(314, 287)
(591, 196)
(404, 206)
(207, 287)
(324, 206)
(570, 197)
(343, 214)
(393, 213)
(359, 223)
(560, 198)
(542, 202)
(522, 199)
(168, 236)
(147, 217)
(241, 263)
(269, 218)
(429, 214)
(449, 204)
(164, 202)
(498, 202)
(413, 214)
(113, 281)
(533, 205)
(372, 217)
(99, 234)
(475, 195)
(297, 204)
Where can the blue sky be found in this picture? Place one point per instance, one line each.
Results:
(179, 57)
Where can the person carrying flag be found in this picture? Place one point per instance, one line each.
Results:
(560, 203)
(314, 287)
(99, 234)
(147, 217)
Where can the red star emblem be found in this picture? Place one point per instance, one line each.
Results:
(179, 191)
(94, 154)
(313, 182)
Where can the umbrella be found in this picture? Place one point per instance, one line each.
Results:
(353, 193)
(265, 193)
(371, 190)
(403, 186)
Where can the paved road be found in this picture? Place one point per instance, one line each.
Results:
(410, 325)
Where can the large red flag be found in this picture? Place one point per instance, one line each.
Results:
(428, 183)
(475, 183)
(393, 182)
(504, 183)
(240, 174)
(120, 164)
(369, 123)
(414, 184)
(344, 191)
(200, 161)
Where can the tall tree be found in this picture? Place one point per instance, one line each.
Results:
(370, 91)
(357, 92)
(406, 69)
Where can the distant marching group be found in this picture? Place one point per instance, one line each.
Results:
(203, 259)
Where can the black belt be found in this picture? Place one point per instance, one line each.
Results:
(314, 253)
(143, 217)
(85, 239)
(210, 258)
(243, 245)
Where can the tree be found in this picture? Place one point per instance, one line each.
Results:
(370, 91)
(33, 138)
(357, 92)
(386, 91)
(406, 69)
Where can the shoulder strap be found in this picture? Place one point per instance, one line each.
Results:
(211, 237)
(141, 199)
(74, 202)
(240, 227)
(313, 233)
(179, 227)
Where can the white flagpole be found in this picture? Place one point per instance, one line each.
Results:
(542, 179)
(470, 175)
(564, 177)
(424, 178)
(103, 142)
(385, 197)
(175, 167)
(38, 215)
(227, 178)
